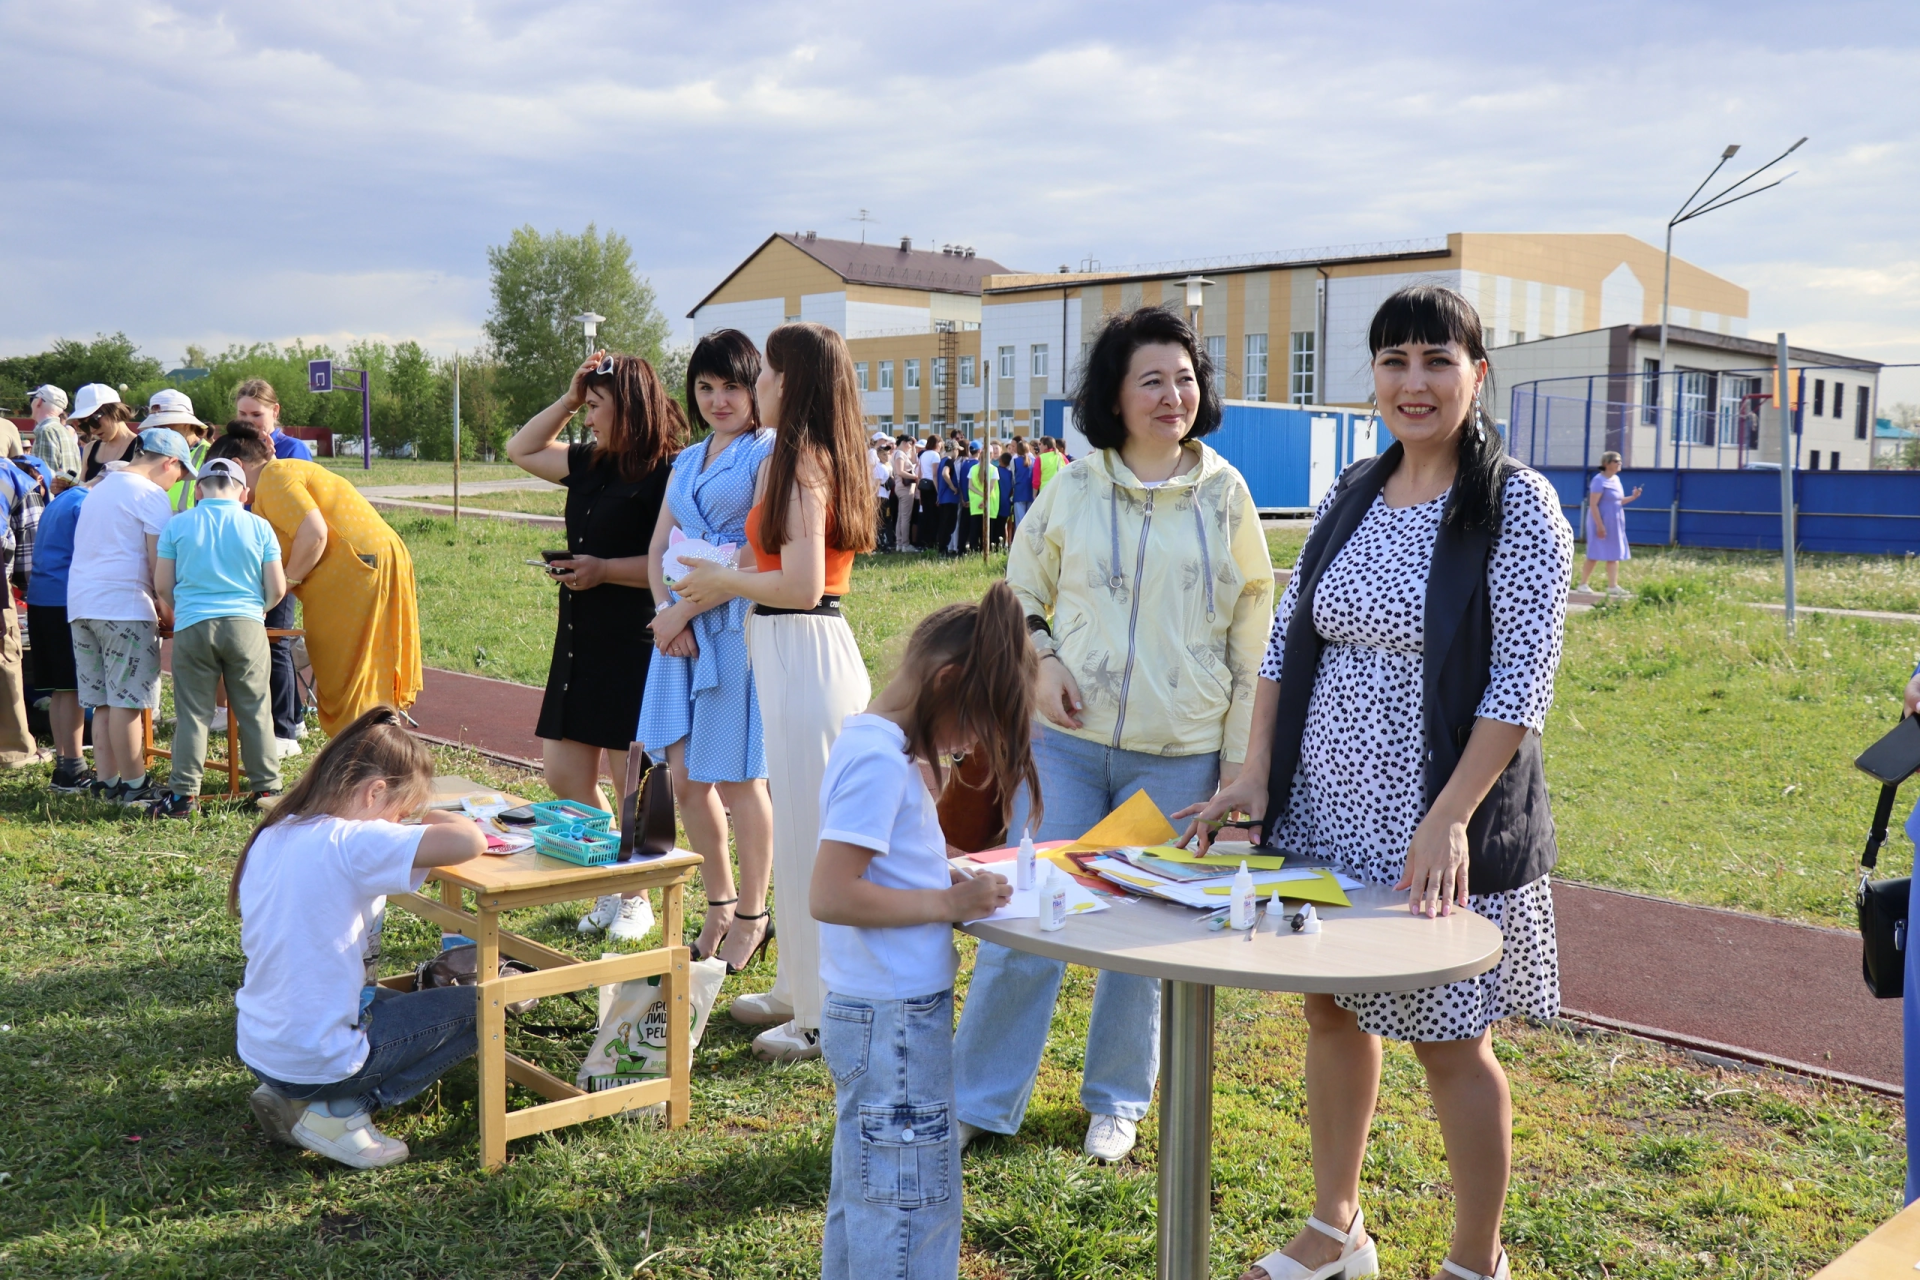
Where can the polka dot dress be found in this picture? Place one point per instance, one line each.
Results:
(1359, 792)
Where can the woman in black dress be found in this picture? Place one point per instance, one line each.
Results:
(615, 484)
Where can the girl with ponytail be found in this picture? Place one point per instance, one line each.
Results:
(887, 902)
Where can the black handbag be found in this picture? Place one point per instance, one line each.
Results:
(647, 826)
(1882, 904)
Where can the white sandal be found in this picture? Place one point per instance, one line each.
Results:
(1352, 1264)
(1455, 1269)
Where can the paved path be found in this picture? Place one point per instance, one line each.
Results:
(1876, 615)
(1722, 982)
(445, 489)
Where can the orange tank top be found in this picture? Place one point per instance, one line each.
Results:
(839, 563)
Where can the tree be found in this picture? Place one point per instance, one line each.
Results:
(71, 363)
(540, 283)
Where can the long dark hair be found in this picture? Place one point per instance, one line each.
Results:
(730, 356)
(648, 424)
(1433, 314)
(985, 693)
(820, 419)
(243, 442)
(1096, 402)
(374, 747)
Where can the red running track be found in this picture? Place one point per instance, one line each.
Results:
(1720, 981)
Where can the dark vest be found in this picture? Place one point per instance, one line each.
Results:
(1510, 837)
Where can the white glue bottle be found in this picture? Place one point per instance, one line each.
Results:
(1023, 862)
(1053, 899)
(1241, 899)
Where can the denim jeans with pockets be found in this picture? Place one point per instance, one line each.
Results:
(894, 1210)
(1009, 1008)
(413, 1037)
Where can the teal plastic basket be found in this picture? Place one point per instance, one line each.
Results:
(567, 813)
(582, 848)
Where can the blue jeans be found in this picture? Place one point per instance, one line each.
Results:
(413, 1037)
(1009, 1008)
(893, 1212)
(1910, 1039)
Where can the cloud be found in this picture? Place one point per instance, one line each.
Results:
(254, 171)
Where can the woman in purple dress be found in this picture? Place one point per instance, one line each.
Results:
(1607, 524)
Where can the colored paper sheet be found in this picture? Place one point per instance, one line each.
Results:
(1254, 861)
(1137, 822)
(1321, 888)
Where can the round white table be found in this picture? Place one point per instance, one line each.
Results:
(1374, 945)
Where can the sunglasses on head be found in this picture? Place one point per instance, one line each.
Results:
(605, 367)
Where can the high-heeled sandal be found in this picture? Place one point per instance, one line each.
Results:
(755, 953)
(1455, 1269)
(694, 946)
(1352, 1264)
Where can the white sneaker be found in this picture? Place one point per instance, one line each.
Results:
(634, 920)
(276, 1114)
(284, 747)
(1356, 1260)
(786, 1043)
(1618, 592)
(352, 1140)
(760, 1010)
(606, 909)
(1109, 1138)
(300, 732)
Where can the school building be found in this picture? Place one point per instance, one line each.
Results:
(911, 318)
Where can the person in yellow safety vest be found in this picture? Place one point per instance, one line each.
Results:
(170, 408)
(983, 499)
(1049, 463)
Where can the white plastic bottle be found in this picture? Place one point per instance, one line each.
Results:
(1023, 862)
(1053, 899)
(1241, 899)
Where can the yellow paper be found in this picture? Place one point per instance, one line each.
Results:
(1323, 889)
(1255, 862)
(1137, 822)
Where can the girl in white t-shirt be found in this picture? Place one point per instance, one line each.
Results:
(887, 902)
(328, 1045)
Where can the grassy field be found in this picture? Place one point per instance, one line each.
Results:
(127, 1150)
(387, 471)
(539, 502)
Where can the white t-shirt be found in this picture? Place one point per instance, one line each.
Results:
(873, 796)
(111, 579)
(881, 478)
(930, 464)
(312, 903)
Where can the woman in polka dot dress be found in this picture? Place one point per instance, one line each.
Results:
(1428, 610)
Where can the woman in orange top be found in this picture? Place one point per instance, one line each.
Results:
(352, 574)
(813, 510)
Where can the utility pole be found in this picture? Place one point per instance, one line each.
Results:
(1783, 399)
(456, 439)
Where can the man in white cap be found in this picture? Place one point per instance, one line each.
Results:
(114, 611)
(170, 408)
(53, 439)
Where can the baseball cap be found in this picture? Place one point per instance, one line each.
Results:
(878, 436)
(167, 408)
(90, 398)
(223, 467)
(167, 444)
(52, 395)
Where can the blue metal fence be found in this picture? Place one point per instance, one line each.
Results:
(1865, 512)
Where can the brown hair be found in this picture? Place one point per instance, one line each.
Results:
(648, 424)
(256, 389)
(373, 748)
(244, 443)
(976, 673)
(115, 411)
(819, 419)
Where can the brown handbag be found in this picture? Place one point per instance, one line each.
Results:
(647, 826)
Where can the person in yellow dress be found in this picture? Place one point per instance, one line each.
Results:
(351, 572)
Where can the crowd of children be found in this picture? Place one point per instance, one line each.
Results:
(956, 496)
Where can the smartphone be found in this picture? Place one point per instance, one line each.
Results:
(1895, 757)
(551, 556)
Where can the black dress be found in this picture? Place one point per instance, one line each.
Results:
(602, 645)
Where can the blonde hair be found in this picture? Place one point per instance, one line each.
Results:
(256, 389)
(1609, 456)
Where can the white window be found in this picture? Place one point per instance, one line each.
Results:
(913, 419)
(886, 375)
(1006, 415)
(1839, 406)
(1006, 362)
(1217, 357)
(967, 419)
(939, 371)
(1519, 336)
(1254, 382)
(913, 375)
(966, 371)
(860, 373)
(886, 419)
(1038, 354)
(1300, 385)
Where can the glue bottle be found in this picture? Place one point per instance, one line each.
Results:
(1241, 901)
(1053, 899)
(1023, 862)
(1276, 911)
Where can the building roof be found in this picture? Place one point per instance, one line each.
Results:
(1385, 251)
(1765, 351)
(898, 266)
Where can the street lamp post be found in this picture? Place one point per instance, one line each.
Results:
(1687, 212)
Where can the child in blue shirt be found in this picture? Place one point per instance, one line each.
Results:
(887, 902)
(52, 638)
(219, 568)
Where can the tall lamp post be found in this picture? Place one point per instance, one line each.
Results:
(1687, 212)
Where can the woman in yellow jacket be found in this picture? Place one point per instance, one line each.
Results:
(1149, 592)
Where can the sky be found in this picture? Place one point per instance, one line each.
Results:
(211, 173)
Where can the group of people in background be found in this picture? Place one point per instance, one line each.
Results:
(956, 496)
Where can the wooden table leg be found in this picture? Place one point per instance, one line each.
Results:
(492, 1056)
(1186, 1129)
(679, 1035)
(673, 925)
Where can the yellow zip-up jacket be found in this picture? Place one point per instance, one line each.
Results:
(1159, 600)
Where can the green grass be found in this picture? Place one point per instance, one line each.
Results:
(540, 502)
(387, 471)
